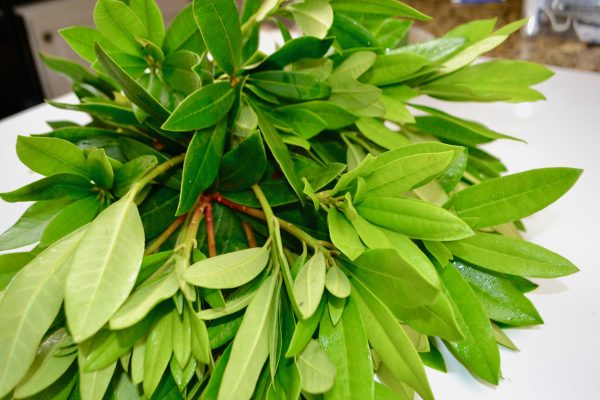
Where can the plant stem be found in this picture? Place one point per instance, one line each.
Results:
(194, 224)
(210, 231)
(249, 235)
(159, 170)
(160, 240)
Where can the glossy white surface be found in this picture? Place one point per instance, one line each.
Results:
(558, 360)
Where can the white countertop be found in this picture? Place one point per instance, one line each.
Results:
(558, 360)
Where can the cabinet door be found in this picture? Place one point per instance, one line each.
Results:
(44, 19)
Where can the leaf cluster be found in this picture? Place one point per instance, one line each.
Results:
(238, 225)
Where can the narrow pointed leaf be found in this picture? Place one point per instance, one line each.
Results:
(49, 156)
(158, 352)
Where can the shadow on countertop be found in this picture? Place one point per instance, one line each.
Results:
(546, 48)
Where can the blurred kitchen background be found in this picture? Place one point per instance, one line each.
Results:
(562, 33)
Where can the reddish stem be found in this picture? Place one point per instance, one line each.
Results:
(249, 235)
(210, 231)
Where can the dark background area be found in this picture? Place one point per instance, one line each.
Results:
(18, 78)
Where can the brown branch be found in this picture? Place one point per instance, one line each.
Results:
(249, 235)
(210, 231)
(163, 237)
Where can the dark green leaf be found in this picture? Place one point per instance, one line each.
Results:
(71, 218)
(219, 24)
(295, 50)
(201, 164)
(151, 16)
(101, 170)
(291, 85)
(243, 166)
(183, 34)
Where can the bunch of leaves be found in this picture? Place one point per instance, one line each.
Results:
(234, 225)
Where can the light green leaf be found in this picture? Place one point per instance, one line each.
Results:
(105, 267)
(347, 346)
(219, 24)
(510, 255)
(178, 72)
(228, 270)
(93, 385)
(250, 346)
(316, 369)
(50, 156)
(305, 328)
(395, 280)
(414, 218)
(291, 85)
(28, 307)
(304, 47)
(120, 25)
(337, 282)
(394, 68)
(314, 17)
(30, 227)
(48, 365)
(353, 95)
(10, 264)
(390, 341)
(310, 284)
(82, 40)
(202, 109)
(61, 186)
(478, 351)
(378, 7)
(343, 235)
(380, 134)
(158, 352)
(71, 218)
(335, 117)
(151, 16)
(354, 66)
(201, 164)
(512, 197)
(132, 171)
(143, 300)
(200, 343)
(182, 335)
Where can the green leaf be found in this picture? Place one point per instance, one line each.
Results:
(183, 34)
(143, 300)
(502, 301)
(93, 385)
(250, 346)
(295, 50)
(159, 345)
(291, 85)
(395, 68)
(380, 134)
(151, 16)
(158, 211)
(228, 270)
(106, 347)
(350, 34)
(279, 151)
(335, 117)
(115, 113)
(337, 282)
(182, 335)
(310, 284)
(101, 171)
(82, 40)
(512, 197)
(120, 25)
(28, 307)
(71, 218)
(202, 109)
(347, 346)
(498, 80)
(478, 351)
(105, 266)
(354, 66)
(178, 72)
(219, 24)
(132, 171)
(316, 369)
(379, 7)
(48, 365)
(353, 95)
(390, 341)
(343, 235)
(314, 17)
(414, 218)
(511, 256)
(305, 328)
(29, 228)
(50, 156)
(132, 89)
(60, 186)
(201, 164)
(395, 280)
(10, 264)
(243, 166)
(200, 342)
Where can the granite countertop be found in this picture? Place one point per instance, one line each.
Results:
(546, 48)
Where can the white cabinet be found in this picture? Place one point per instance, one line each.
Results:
(43, 20)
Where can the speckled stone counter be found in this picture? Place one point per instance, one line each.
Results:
(546, 48)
